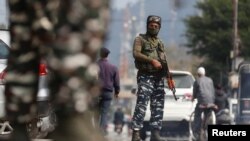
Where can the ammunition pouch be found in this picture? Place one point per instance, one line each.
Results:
(148, 69)
(145, 66)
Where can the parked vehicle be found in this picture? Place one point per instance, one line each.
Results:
(242, 115)
(4, 52)
(176, 113)
(46, 120)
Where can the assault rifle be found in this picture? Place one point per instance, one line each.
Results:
(169, 78)
(166, 72)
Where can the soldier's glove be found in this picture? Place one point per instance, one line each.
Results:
(156, 64)
(171, 83)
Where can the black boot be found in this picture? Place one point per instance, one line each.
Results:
(136, 135)
(155, 136)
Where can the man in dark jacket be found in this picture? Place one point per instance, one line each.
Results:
(110, 82)
(221, 100)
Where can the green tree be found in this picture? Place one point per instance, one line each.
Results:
(209, 35)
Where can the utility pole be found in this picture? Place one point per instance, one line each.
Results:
(234, 78)
(235, 35)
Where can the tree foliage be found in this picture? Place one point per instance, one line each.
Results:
(210, 34)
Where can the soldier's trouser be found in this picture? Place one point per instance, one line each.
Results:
(150, 88)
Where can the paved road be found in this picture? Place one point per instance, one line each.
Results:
(126, 136)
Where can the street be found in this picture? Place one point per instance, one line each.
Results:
(125, 136)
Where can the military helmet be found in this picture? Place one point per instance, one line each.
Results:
(154, 18)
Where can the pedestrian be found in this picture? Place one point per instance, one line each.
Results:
(221, 98)
(68, 34)
(110, 86)
(222, 111)
(149, 52)
(203, 91)
(119, 120)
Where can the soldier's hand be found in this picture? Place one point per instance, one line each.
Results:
(156, 64)
(192, 99)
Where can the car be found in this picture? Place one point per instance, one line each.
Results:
(4, 52)
(46, 115)
(176, 113)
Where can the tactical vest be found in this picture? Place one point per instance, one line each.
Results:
(153, 50)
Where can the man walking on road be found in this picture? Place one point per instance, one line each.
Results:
(110, 82)
(148, 52)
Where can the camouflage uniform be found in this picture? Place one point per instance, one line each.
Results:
(68, 34)
(150, 85)
(150, 89)
(149, 55)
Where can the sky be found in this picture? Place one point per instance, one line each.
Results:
(119, 4)
(116, 4)
(3, 12)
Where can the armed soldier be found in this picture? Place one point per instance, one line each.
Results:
(150, 60)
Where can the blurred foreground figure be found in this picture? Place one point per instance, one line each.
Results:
(68, 35)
